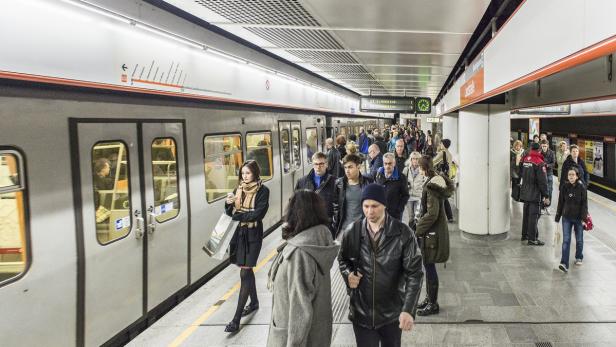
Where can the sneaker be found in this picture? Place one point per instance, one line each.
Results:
(535, 243)
(524, 239)
(450, 220)
(563, 268)
(578, 262)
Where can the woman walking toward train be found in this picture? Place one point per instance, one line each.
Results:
(573, 208)
(248, 204)
(299, 277)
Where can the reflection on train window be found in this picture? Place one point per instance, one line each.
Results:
(259, 149)
(13, 253)
(110, 179)
(311, 143)
(223, 159)
(295, 145)
(165, 176)
(286, 158)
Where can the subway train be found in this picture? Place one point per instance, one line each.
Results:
(107, 200)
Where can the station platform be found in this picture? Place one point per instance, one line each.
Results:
(492, 293)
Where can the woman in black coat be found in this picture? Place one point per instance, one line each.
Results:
(248, 204)
(573, 208)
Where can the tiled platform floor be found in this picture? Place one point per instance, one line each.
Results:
(493, 293)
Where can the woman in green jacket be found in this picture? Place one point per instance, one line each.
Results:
(561, 155)
(432, 230)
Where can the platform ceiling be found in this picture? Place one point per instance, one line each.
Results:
(388, 47)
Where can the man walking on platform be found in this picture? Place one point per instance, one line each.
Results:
(333, 158)
(533, 192)
(376, 159)
(321, 182)
(347, 201)
(549, 158)
(381, 264)
(396, 190)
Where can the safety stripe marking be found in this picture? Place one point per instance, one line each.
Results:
(194, 325)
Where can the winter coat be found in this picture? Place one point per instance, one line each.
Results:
(572, 202)
(432, 224)
(414, 183)
(560, 160)
(326, 189)
(339, 202)
(396, 192)
(533, 174)
(301, 283)
(375, 165)
(400, 161)
(392, 276)
(437, 161)
(513, 166)
(382, 144)
(333, 162)
(569, 163)
(391, 147)
(549, 158)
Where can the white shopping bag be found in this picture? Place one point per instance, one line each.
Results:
(219, 241)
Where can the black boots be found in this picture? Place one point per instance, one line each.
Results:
(430, 304)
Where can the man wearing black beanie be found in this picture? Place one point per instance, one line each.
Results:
(380, 262)
(533, 192)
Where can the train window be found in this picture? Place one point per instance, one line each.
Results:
(311, 143)
(223, 159)
(286, 159)
(165, 177)
(296, 146)
(13, 250)
(259, 149)
(111, 183)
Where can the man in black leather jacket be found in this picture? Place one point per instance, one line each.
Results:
(320, 181)
(380, 262)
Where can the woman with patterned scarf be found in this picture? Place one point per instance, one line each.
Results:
(247, 204)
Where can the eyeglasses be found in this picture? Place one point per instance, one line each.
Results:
(318, 164)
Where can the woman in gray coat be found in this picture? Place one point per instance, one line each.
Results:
(299, 276)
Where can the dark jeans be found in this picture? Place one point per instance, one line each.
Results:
(530, 218)
(431, 274)
(550, 185)
(389, 336)
(575, 224)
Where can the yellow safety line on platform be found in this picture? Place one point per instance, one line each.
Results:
(191, 329)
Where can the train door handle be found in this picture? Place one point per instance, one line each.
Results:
(151, 220)
(139, 225)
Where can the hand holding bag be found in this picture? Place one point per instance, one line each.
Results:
(219, 241)
(588, 223)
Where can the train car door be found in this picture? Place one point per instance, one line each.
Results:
(290, 158)
(112, 228)
(166, 210)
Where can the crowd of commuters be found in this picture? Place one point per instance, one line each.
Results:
(532, 176)
(350, 206)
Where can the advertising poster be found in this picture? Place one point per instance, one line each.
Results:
(592, 154)
(533, 127)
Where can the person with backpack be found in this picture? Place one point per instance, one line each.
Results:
(380, 263)
(432, 231)
(573, 208)
(533, 192)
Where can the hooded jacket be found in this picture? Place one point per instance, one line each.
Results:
(569, 163)
(333, 162)
(415, 182)
(396, 191)
(301, 283)
(376, 164)
(392, 275)
(533, 173)
(572, 202)
(432, 225)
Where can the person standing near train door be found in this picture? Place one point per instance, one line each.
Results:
(248, 204)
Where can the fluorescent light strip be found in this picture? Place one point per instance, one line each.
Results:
(325, 28)
(98, 10)
(307, 49)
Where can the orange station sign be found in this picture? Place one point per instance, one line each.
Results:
(474, 85)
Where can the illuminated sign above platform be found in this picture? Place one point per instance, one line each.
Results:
(387, 104)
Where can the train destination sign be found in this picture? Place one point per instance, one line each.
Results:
(387, 104)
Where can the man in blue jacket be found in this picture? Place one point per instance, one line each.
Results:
(376, 159)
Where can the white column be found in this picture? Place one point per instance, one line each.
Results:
(483, 140)
(450, 130)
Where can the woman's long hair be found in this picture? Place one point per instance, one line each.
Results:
(305, 210)
(425, 163)
(253, 167)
